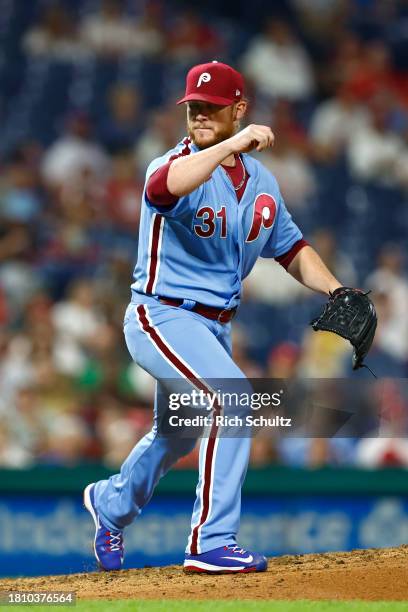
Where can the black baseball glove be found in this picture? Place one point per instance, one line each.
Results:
(350, 314)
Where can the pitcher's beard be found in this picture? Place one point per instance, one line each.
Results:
(218, 137)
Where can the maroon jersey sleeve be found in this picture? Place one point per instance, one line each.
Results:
(156, 187)
(287, 258)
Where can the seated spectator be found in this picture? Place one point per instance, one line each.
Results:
(111, 33)
(283, 361)
(105, 358)
(77, 324)
(12, 453)
(20, 196)
(323, 355)
(113, 424)
(74, 153)
(21, 205)
(191, 39)
(141, 383)
(325, 242)
(269, 283)
(278, 65)
(364, 70)
(26, 421)
(334, 123)
(347, 56)
(123, 193)
(375, 153)
(55, 37)
(375, 453)
(150, 35)
(113, 278)
(240, 353)
(263, 451)
(375, 73)
(318, 18)
(73, 242)
(390, 292)
(164, 128)
(16, 367)
(120, 129)
(387, 447)
(287, 160)
(67, 440)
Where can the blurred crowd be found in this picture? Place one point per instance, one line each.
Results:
(87, 101)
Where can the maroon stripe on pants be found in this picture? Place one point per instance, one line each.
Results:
(209, 455)
(154, 252)
(141, 310)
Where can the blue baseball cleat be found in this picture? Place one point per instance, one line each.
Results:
(108, 544)
(226, 559)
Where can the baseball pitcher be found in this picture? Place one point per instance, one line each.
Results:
(209, 210)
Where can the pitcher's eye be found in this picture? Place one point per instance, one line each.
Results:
(195, 108)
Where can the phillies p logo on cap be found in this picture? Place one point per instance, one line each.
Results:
(204, 77)
(214, 82)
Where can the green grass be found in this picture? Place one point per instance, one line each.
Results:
(135, 605)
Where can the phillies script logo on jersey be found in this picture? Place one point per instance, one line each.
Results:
(264, 215)
(204, 78)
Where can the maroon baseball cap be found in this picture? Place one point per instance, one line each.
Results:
(214, 82)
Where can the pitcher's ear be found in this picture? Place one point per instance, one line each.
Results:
(240, 109)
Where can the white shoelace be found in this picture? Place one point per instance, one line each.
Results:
(237, 549)
(115, 542)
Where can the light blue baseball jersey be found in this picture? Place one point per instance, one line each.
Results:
(202, 247)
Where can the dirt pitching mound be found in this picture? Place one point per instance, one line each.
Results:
(361, 574)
